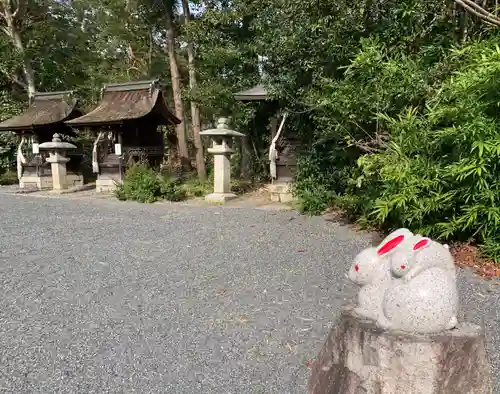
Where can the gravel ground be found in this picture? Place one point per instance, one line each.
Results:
(100, 296)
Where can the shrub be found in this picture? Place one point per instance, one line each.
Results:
(8, 178)
(145, 185)
(424, 136)
(172, 191)
(439, 174)
(196, 188)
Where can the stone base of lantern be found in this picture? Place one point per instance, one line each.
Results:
(44, 182)
(358, 357)
(220, 198)
(36, 182)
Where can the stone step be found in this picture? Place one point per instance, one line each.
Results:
(278, 188)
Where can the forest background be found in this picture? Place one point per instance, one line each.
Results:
(395, 101)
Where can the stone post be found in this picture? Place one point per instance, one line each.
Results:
(57, 150)
(359, 357)
(222, 148)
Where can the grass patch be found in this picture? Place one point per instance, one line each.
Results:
(8, 178)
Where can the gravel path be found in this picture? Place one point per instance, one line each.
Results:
(100, 296)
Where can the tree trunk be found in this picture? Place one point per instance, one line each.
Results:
(176, 88)
(195, 110)
(245, 158)
(14, 34)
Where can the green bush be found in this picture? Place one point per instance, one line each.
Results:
(8, 178)
(317, 182)
(428, 159)
(440, 174)
(197, 188)
(172, 191)
(145, 185)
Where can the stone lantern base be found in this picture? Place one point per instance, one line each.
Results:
(220, 198)
(44, 182)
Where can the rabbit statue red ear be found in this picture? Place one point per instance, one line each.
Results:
(425, 299)
(423, 243)
(390, 245)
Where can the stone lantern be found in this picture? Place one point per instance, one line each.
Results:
(222, 148)
(57, 159)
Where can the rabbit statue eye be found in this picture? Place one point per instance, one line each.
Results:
(403, 267)
(356, 267)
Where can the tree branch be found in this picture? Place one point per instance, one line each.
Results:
(14, 78)
(16, 11)
(478, 8)
(5, 30)
(19, 82)
(481, 13)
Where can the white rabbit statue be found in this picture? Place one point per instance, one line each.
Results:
(372, 271)
(407, 283)
(426, 300)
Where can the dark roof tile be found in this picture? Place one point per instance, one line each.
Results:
(127, 101)
(45, 109)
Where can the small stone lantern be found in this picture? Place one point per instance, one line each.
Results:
(57, 150)
(222, 148)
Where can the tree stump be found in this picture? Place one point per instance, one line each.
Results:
(359, 358)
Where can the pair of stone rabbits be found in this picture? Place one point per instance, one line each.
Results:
(408, 283)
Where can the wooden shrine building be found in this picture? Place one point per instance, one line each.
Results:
(284, 145)
(126, 123)
(44, 117)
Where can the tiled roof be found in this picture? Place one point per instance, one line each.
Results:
(127, 101)
(45, 109)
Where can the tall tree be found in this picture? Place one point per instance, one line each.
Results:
(175, 74)
(11, 14)
(195, 109)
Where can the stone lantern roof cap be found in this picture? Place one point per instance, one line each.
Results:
(56, 143)
(222, 130)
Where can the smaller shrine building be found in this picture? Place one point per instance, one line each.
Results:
(44, 117)
(127, 126)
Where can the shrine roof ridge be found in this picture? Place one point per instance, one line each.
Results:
(45, 109)
(134, 85)
(58, 95)
(127, 101)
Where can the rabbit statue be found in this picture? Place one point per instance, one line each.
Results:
(425, 299)
(371, 270)
(422, 254)
(428, 254)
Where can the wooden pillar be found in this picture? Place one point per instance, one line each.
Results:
(118, 142)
